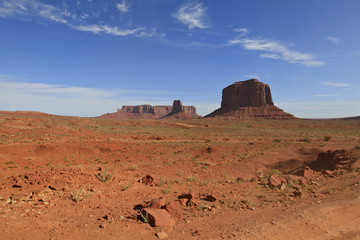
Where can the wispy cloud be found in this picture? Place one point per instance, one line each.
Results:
(123, 7)
(107, 29)
(34, 10)
(334, 40)
(276, 50)
(336, 84)
(192, 14)
(240, 30)
(28, 9)
(325, 95)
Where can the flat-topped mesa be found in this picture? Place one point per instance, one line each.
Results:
(250, 93)
(138, 109)
(147, 111)
(250, 99)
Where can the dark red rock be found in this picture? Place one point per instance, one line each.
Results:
(209, 198)
(188, 196)
(147, 180)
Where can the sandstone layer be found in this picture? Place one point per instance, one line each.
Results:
(249, 99)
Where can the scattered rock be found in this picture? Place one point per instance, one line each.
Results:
(57, 187)
(328, 173)
(158, 203)
(101, 226)
(298, 193)
(209, 198)
(188, 196)
(161, 235)
(158, 217)
(305, 172)
(276, 181)
(174, 208)
(147, 180)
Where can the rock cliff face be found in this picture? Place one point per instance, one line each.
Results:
(249, 99)
(250, 93)
(152, 112)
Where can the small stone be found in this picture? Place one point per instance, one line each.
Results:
(188, 196)
(101, 226)
(276, 180)
(147, 180)
(210, 198)
(161, 235)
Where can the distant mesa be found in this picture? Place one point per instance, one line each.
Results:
(177, 111)
(249, 99)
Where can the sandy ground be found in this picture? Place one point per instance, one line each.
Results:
(80, 178)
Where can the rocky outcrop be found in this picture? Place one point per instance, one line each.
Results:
(153, 112)
(250, 93)
(249, 99)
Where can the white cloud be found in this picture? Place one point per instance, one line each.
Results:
(335, 84)
(334, 40)
(275, 50)
(123, 7)
(192, 14)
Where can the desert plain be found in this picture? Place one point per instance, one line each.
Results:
(85, 178)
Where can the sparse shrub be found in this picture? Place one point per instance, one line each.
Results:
(161, 182)
(133, 167)
(276, 140)
(104, 176)
(125, 187)
(307, 140)
(167, 190)
(144, 217)
(327, 138)
(275, 172)
(191, 179)
(78, 196)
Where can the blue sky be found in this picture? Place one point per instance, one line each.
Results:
(89, 57)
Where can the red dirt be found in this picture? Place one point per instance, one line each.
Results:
(51, 170)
